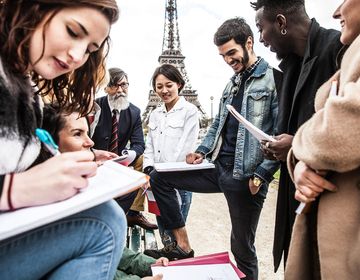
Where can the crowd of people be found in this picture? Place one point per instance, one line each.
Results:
(54, 52)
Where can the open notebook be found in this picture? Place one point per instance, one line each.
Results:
(112, 180)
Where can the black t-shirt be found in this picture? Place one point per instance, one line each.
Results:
(231, 125)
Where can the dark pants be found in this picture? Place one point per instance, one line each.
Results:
(244, 208)
(125, 201)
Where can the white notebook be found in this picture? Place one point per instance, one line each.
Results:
(112, 180)
(181, 166)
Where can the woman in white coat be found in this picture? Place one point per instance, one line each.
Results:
(173, 130)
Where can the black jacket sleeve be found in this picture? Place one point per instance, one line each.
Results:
(137, 142)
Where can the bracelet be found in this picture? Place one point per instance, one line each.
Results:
(11, 207)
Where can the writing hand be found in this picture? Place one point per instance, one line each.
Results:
(194, 158)
(56, 179)
(309, 184)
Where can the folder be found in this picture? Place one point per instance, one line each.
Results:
(204, 265)
(255, 131)
(152, 204)
(111, 180)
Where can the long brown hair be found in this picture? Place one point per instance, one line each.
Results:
(18, 21)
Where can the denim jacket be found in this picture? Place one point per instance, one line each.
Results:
(260, 107)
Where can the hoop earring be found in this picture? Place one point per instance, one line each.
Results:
(283, 31)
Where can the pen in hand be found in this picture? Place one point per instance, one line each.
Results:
(48, 141)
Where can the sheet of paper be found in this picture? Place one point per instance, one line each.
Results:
(181, 166)
(198, 272)
(111, 180)
(256, 132)
(126, 158)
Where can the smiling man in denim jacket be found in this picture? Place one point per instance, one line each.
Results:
(241, 172)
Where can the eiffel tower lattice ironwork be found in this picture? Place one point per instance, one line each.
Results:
(171, 54)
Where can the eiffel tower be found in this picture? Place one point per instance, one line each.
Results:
(171, 54)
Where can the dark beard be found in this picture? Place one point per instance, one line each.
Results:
(245, 59)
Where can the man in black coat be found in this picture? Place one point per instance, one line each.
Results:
(308, 53)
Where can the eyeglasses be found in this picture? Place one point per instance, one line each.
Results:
(122, 85)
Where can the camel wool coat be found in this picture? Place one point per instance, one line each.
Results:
(330, 141)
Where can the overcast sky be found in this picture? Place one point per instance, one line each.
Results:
(137, 42)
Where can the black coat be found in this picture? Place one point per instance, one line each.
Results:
(129, 128)
(297, 86)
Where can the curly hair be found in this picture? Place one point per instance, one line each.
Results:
(235, 28)
(275, 7)
(18, 21)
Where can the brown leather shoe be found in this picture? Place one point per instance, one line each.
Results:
(141, 221)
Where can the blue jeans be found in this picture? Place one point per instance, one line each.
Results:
(244, 208)
(166, 235)
(87, 245)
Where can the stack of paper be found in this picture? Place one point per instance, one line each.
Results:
(112, 180)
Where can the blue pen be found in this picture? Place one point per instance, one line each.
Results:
(48, 141)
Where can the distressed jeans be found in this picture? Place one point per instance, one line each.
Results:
(87, 245)
(244, 208)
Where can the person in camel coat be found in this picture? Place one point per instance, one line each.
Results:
(325, 159)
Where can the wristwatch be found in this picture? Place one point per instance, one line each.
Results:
(257, 181)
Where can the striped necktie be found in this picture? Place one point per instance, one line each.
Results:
(114, 133)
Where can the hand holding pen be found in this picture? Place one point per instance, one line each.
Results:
(47, 141)
(56, 179)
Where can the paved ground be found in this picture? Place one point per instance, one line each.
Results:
(209, 229)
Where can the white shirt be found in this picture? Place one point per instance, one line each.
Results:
(171, 135)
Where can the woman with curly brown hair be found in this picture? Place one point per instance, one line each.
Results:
(55, 47)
